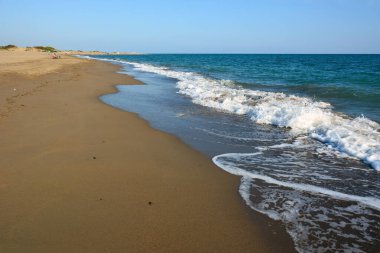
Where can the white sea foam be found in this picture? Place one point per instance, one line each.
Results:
(228, 136)
(358, 137)
(233, 169)
(305, 205)
(84, 57)
(317, 218)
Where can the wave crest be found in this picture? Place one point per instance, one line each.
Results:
(358, 137)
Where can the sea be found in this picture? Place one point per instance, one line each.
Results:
(301, 131)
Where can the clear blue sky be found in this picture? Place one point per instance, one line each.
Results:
(195, 26)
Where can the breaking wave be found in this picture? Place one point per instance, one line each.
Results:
(328, 203)
(358, 137)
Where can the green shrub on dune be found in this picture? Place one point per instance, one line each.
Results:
(46, 49)
(7, 47)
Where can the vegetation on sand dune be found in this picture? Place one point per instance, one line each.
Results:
(46, 49)
(7, 47)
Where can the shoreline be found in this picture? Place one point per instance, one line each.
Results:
(70, 180)
(165, 103)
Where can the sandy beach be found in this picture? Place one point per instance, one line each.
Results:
(77, 175)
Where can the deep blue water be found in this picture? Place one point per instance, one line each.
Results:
(351, 83)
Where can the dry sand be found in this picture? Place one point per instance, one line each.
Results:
(77, 175)
(30, 64)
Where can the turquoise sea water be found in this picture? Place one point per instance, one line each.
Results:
(301, 131)
(351, 83)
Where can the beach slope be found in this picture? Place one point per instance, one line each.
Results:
(77, 175)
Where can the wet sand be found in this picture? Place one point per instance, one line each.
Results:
(77, 175)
